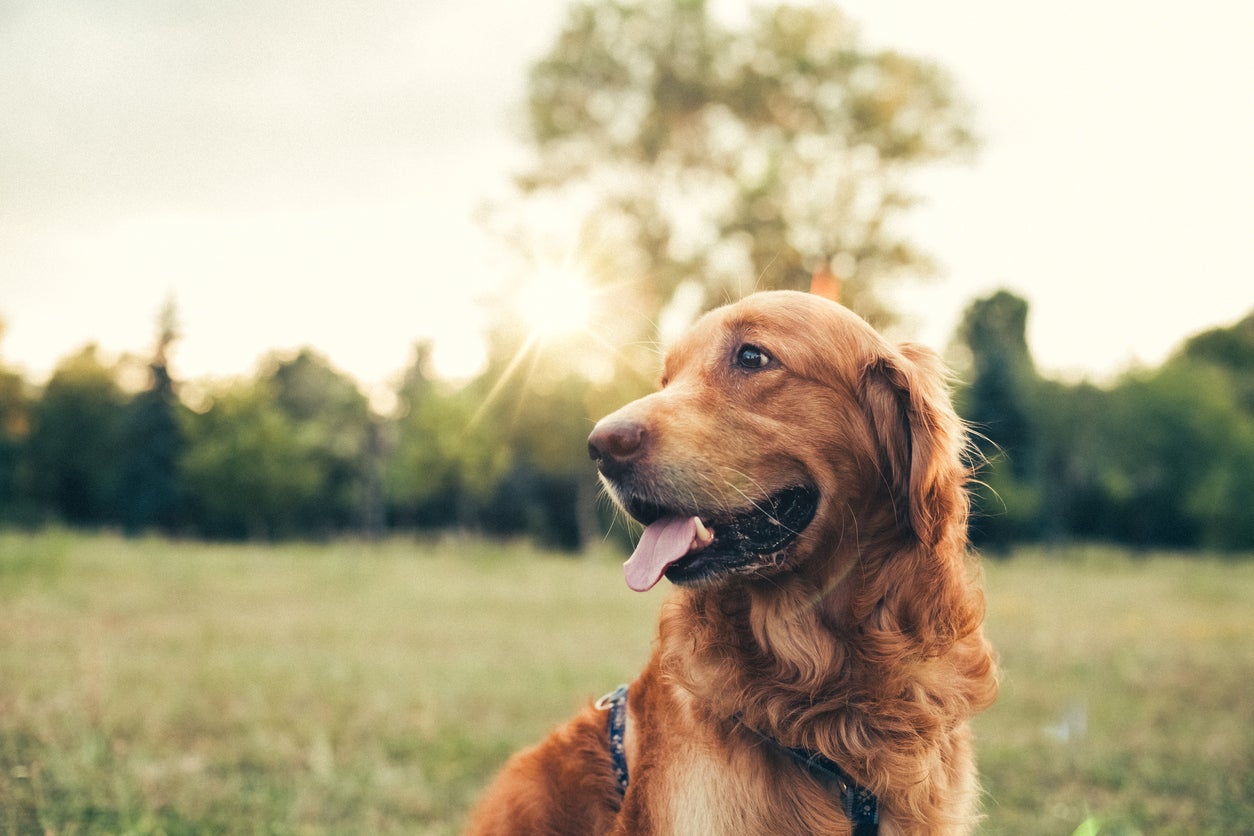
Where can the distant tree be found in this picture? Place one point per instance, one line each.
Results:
(249, 471)
(15, 418)
(1171, 438)
(333, 420)
(1000, 400)
(1075, 459)
(445, 459)
(74, 445)
(1231, 350)
(1164, 457)
(552, 484)
(291, 453)
(1223, 500)
(151, 488)
(736, 158)
(997, 399)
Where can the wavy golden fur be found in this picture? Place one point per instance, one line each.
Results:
(860, 639)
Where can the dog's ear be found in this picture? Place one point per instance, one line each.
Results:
(920, 439)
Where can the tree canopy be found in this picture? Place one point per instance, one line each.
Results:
(737, 157)
(1162, 457)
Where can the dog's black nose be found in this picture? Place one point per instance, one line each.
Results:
(614, 444)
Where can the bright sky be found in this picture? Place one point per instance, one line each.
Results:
(309, 173)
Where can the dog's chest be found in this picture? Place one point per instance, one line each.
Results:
(710, 790)
(704, 795)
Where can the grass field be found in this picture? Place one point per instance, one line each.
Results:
(149, 687)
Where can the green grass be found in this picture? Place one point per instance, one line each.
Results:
(1127, 694)
(155, 687)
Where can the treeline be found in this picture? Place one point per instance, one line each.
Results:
(1162, 457)
(294, 452)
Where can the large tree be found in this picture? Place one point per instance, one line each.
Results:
(684, 161)
(736, 157)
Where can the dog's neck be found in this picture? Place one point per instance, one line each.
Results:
(747, 637)
(823, 667)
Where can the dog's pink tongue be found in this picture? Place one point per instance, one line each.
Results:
(662, 543)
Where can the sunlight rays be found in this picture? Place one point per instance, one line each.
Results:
(559, 311)
(557, 300)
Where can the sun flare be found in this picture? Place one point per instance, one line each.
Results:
(556, 300)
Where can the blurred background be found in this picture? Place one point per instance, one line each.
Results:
(275, 271)
(306, 311)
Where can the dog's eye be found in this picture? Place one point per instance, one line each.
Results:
(752, 357)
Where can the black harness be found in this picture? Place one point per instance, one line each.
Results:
(616, 703)
(859, 803)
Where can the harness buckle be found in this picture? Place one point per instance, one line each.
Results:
(606, 702)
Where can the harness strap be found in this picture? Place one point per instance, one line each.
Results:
(616, 703)
(860, 805)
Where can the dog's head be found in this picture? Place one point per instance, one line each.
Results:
(784, 426)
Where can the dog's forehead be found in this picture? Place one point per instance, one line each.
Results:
(789, 321)
(712, 333)
(784, 312)
(775, 312)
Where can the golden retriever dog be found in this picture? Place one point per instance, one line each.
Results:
(803, 486)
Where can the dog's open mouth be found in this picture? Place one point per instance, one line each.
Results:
(687, 548)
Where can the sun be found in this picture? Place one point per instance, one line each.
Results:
(555, 305)
(556, 301)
